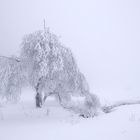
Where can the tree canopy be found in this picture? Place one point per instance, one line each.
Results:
(42, 56)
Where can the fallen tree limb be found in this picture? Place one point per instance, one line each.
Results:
(108, 109)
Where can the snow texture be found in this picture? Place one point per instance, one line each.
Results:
(23, 121)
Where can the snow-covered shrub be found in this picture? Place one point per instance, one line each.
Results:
(11, 77)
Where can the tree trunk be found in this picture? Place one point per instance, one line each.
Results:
(38, 100)
(38, 96)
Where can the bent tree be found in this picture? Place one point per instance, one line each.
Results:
(50, 68)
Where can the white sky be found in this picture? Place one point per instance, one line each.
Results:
(104, 35)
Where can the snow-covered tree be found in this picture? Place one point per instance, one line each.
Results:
(50, 68)
(11, 77)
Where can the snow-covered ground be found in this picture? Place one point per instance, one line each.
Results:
(22, 121)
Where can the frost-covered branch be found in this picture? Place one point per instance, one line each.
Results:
(109, 108)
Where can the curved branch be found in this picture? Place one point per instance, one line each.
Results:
(108, 109)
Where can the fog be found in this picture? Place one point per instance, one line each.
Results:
(103, 36)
